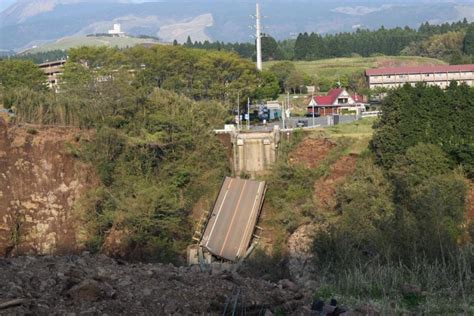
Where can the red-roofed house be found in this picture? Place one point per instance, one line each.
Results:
(440, 75)
(334, 102)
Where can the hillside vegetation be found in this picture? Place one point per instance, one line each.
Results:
(450, 42)
(326, 72)
(334, 68)
(154, 152)
(384, 200)
(391, 224)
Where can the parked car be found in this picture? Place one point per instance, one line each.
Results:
(302, 123)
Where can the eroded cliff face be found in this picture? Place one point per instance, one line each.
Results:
(40, 182)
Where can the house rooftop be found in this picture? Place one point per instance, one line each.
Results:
(419, 69)
(331, 97)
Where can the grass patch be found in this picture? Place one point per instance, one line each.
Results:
(442, 289)
(333, 68)
(358, 134)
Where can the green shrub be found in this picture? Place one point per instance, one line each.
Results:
(147, 185)
(32, 131)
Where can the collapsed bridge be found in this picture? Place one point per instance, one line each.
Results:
(230, 225)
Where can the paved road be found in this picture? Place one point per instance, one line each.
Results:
(232, 222)
(318, 121)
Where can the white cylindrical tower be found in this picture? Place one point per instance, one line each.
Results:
(258, 36)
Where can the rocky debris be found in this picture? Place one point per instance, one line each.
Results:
(12, 303)
(300, 261)
(97, 285)
(91, 290)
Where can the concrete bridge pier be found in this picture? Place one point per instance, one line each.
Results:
(253, 152)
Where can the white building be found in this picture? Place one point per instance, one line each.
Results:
(337, 101)
(116, 32)
(441, 75)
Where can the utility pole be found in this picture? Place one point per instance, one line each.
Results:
(288, 107)
(248, 113)
(258, 36)
(238, 111)
(283, 114)
(312, 101)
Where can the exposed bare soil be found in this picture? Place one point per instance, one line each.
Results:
(325, 187)
(40, 181)
(311, 152)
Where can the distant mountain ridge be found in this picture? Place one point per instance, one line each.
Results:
(32, 22)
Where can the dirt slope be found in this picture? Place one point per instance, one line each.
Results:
(39, 184)
(310, 152)
(325, 187)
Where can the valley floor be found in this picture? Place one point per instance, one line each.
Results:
(99, 285)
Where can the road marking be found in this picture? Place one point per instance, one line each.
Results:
(219, 212)
(233, 217)
(251, 216)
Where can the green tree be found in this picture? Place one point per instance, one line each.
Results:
(282, 71)
(423, 114)
(430, 200)
(468, 42)
(21, 73)
(189, 42)
(419, 163)
(143, 154)
(294, 82)
(268, 87)
(269, 48)
(365, 204)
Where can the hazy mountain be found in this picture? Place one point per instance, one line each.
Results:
(32, 22)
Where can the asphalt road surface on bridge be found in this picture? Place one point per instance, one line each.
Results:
(233, 219)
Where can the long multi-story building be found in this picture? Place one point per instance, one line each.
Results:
(53, 69)
(441, 75)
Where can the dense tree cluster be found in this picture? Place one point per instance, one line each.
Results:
(363, 42)
(19, 79)
(451, 42)
(382, 41)
(195, 73)
(42, 57)
(271, 49)
(153, 111)
(198, 74)
(15, 73)
(406, 200)
(422, 114)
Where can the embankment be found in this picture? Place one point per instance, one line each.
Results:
(40, 182)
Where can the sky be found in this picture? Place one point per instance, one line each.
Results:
(5, 4)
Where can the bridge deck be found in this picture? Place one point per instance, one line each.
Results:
(233, 219)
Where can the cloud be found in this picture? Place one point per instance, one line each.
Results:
(360, 10)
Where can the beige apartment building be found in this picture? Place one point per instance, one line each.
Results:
(440, 75)
(53, 69)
